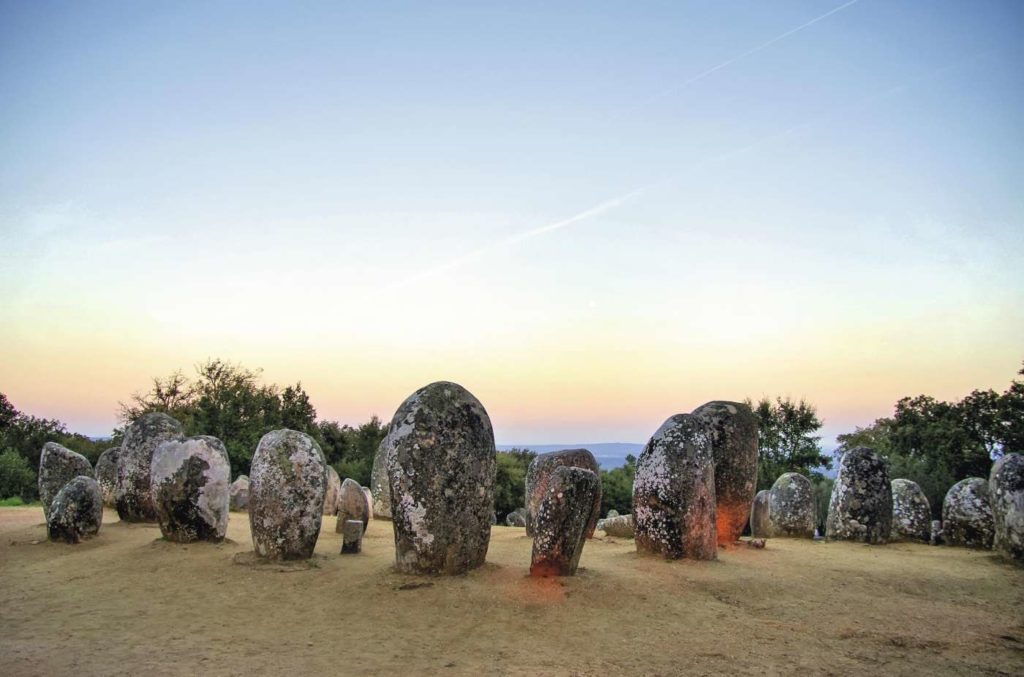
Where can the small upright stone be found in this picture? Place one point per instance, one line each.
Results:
(58, 465)
(733, 429)
(561, 520)
(1006, 491)
(286, 495)
(333, 497)
(760, 522)
(134, 494)
(911, 513)
(517, 518)
(860, 508)
(352, 537)
(106, 475)
(612, 513)
(674, 492)
(352, 505)
(379, 487)
(77, 511)
(967, 514)
(191, 490)
(240, 493)
(791, 507)
(539, 474)
(936, 536)
(441, 464)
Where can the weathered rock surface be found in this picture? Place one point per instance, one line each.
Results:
(58, 465)
(106, 475)
(967, 514)
(239, 493)
(936, 535)
(539, 474)
(77, 511)
(352, 537)
(674, 492)
(760, 522)
(333, 497)
(911, 513)
(352, 505)
(620, 526)
(287, 486)
(791, 507)
(441, 464)
(369, 501)
(517, 518)
(860, 508)
(562, 518)
(133, 497)
(733, 430)
(379, 486)
(191, 489)
(612, 513)
(1006, 492)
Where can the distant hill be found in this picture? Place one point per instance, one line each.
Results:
(608, 454)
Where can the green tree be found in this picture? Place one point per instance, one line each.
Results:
(617, 487)
(510, 481)
(16, 476)
(787, 442)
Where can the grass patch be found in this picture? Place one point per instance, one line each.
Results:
(15, 502)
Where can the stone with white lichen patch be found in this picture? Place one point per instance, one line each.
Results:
(539, 474)
(287, 486)
(441, 464)
(191, 489)
(967, 514)
(58, 465)
(333, 492)
(352, 505)
(760, 523)
(1006, 493)
(733, 430)
(860, 508)
(791, 507)
(133, 496)
(911, 513)
(561, 519)
(106, 475)
(77, 511)
(674, 492)
(380, 490)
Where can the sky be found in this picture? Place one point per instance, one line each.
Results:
(593, 216)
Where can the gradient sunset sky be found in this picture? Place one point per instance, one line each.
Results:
(593, 216)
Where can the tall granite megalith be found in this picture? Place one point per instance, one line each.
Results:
(733, 430)
(133, 496)
(538, 478)
(860, 508)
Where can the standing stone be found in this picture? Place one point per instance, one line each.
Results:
(539, 474)
(352, 505)
(58, 465)
(239, 493)
(286, 495)
(911, 513)
(77, 511)
(333, 492)
(133, 496)
(191, 490)
(860, 508)
(936, 535)
(733, 429)
(760, 518)
(379, 486)
(612, 513)
(441, 464)
(369, 501)
(791, 507)
(352, 537)
(517, 518)
(106, 475)
(1006, 491)
(674, 492)
(620, 526)
(562, 518)
(967, 514)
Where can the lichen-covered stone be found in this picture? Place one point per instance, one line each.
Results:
(860, 508)
(967, 514)
(58, 465)
(106, 475)
(441, 464)
(239, 493)
(561, 519)
(369, 501)
(911, 513)
(936, 536)
(760, 518)
(612, 513)
(352, 536)
(287, 485)
(539, 473)
(379, 486)
(517, 518)
(134, 494)
(77, 511)
(1006, 492)
(733, 430)
(333, 492)
(191, 489)
(352, 505)
(674, 491)
(791, 507)
(620, 526)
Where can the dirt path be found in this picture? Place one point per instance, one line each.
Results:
(127, 603)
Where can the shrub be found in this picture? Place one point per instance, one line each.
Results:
(17, 479)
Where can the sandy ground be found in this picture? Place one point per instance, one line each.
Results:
(128, 603)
